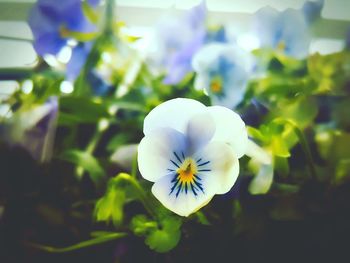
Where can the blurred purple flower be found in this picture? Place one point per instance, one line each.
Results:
(287, 31)
(179, 38)
(223, 71)
(93, 2)
(33, 129)
(49, 18)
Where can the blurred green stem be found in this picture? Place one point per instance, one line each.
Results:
(143, 197)
(15, 73)
(102, 126)
(84, 244)
(108, 27)
(16, 39)
(303, 143)
(90, 148)
(23, 72)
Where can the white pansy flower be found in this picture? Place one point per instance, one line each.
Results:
(191, 153)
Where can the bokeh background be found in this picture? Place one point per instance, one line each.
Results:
(51, 201)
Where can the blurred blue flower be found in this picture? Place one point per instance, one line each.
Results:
(287, 31)
(33, 129)
(312, 10)
(78, 58)
(347, 40)
(179, 38)
(48, 20)
(223, 71)
(99, 85)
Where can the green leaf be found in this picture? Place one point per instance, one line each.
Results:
(255, 133)
(74, 110)
(110, 206)
(342, 173)
(341, 113)
(202, 218)
(160, 236)
(285, 189)
(127, 105)
(281, 165)
(89, 12)
(87, 162)
(286, 209)
(334, 145)
(121, 189)
(141, 225)
(118, 140)
(279, 147)
(302, 111)
(166, 237)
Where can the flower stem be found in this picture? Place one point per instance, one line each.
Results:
(84, 244)
(146, 201)
(26, 72)
(90, 148)
(304, 145)
(16, 39)
(109, 17)
(15, 73)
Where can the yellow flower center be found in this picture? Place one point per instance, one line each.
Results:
(187, 171)
(186, 177)
(281, 45)
(64, 32)
(216, 85)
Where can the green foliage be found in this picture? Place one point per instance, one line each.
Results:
(162, 236)
(77, 110)
(110, 206)
(87, 162)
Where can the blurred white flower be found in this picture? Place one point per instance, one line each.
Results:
(191, 153)
(33, 129)
(223, 71)
(124, 156)
(287, 31)
(263, 164)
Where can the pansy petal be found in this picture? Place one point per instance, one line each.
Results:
(262, 182)
(200, 130)
(265, 25)
(184, 203)
(220, 165)
(158, 153)
(295, 33)
(312, 10)
(257, 153)
(201, 82)
(230, 128)
(174, 114)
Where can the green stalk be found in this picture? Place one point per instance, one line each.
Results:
(15, 73)
(143, 197)
(108, 27)
(88, 243)
(90, 148)
(304, 145)
(24, 72)
(16, 39)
